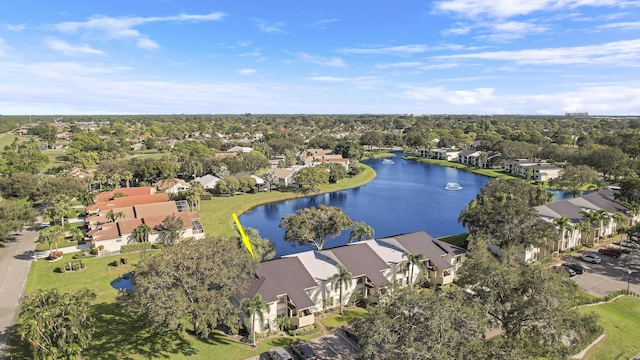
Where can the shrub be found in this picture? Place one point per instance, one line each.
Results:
(82, 265)
(62, 269)
(123, 261)
(135, 247)
(206, 197)
(355, 170)
(93, 251)
(157, 246)
(55, 254)
(306, 330)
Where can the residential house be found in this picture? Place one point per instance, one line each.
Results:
(172, 186)
(285, 176)
(130, 192)
(127, 201)
(540, 170)
(469, 157)
(81, 173)
(208, 181)
(577, 210)
(299, 285)
(445, 154)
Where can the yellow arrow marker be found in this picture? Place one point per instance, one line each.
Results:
(245, 238)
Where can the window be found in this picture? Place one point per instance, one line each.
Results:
(282, 300)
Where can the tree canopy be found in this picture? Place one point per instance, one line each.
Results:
(314, 225)
(191, 282)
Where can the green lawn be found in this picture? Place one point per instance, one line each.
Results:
(335, 320)
(457, 240)
(7, 139)
(377, 155)
(215, 215)
(621, 322)
(45, 246)
(121, 336)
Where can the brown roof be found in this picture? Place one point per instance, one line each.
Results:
(282, 173)
(127, 226)
(360, 260)
(128, 201)
(163, 185)
(155, 209)
(283, 276)
(155, 222)
(133, 191)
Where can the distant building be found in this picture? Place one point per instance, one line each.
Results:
(577, 115)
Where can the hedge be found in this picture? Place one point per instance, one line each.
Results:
(157, 246)
(206, 197)
(306, 330)
(135, 247)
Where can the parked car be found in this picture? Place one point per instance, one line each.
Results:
(278, 353)
(303, 351)
(569, 270)
(609, 251)
(591, 257)
(579, 269)
(628, 243)
(349, 332)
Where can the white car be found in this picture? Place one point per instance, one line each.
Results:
(590, 257)
(628, 243)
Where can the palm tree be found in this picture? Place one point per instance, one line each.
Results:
(592, 218)
(562, 222)
(51, 235)
(584, 229)
(195, 191)
(361, 231)
(141, 233)
(100, 179)
(76, 234)
(58, 210)
(482, 158)
(271, 179)
(113, 216)
(86, 198)
(605, 219)
(619, 219)
(127, 176)
(115, 179)
(414, 261)
(253, 308)
(339, 280)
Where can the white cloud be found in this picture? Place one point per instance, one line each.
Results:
(459, 29)
(246, 71)
(400, 65)
(327, 79)
(146, 43)
(614, 53)
(15, 27)
(511, 8)
(3, 47)
(272, 28)
(634, 25)
(455, 97)
(244, 43)
(65, 48)
(123, 27)
(389, 50)
(321, 24)
(321, 60)
(511, 30)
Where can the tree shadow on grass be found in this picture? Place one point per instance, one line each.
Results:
(119, 335)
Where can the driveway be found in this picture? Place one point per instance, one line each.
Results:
(15, 261)
(334, 345)
(610, 275)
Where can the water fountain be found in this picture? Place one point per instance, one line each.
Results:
(453, 186)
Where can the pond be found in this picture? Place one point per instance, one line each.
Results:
(123, 282)
(406, 196)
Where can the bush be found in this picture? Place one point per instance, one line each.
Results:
(206, 197)
(123, 261)
(157, 246)
(82, 265)
(93, 251)
(55, 254)
(355, 170)
(62, 269)
(135, 247)
(307, 330)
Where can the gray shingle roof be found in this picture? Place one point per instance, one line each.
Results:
(564, 207)
(601, 200)
(422, 243)
(283, 276)
(360, 260)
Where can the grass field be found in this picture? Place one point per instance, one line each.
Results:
(121, 336)
(621, 322)
(7, 139)
(215, 215)
(332, 321)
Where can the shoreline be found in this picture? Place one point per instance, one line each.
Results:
(472, 169)
(215, 215)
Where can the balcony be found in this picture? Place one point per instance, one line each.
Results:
(302, 318)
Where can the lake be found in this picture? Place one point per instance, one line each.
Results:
(406, 196)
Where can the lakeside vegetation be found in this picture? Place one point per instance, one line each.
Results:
(499, 174)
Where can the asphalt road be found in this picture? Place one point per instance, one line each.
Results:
(610, 275)
(15, 261)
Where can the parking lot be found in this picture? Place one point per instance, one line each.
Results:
(610, 275)
(330, 346)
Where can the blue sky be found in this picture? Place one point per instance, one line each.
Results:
(355, 56)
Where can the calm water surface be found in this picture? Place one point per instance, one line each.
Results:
(405, 196)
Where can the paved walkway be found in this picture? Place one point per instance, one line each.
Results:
(15, 261)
